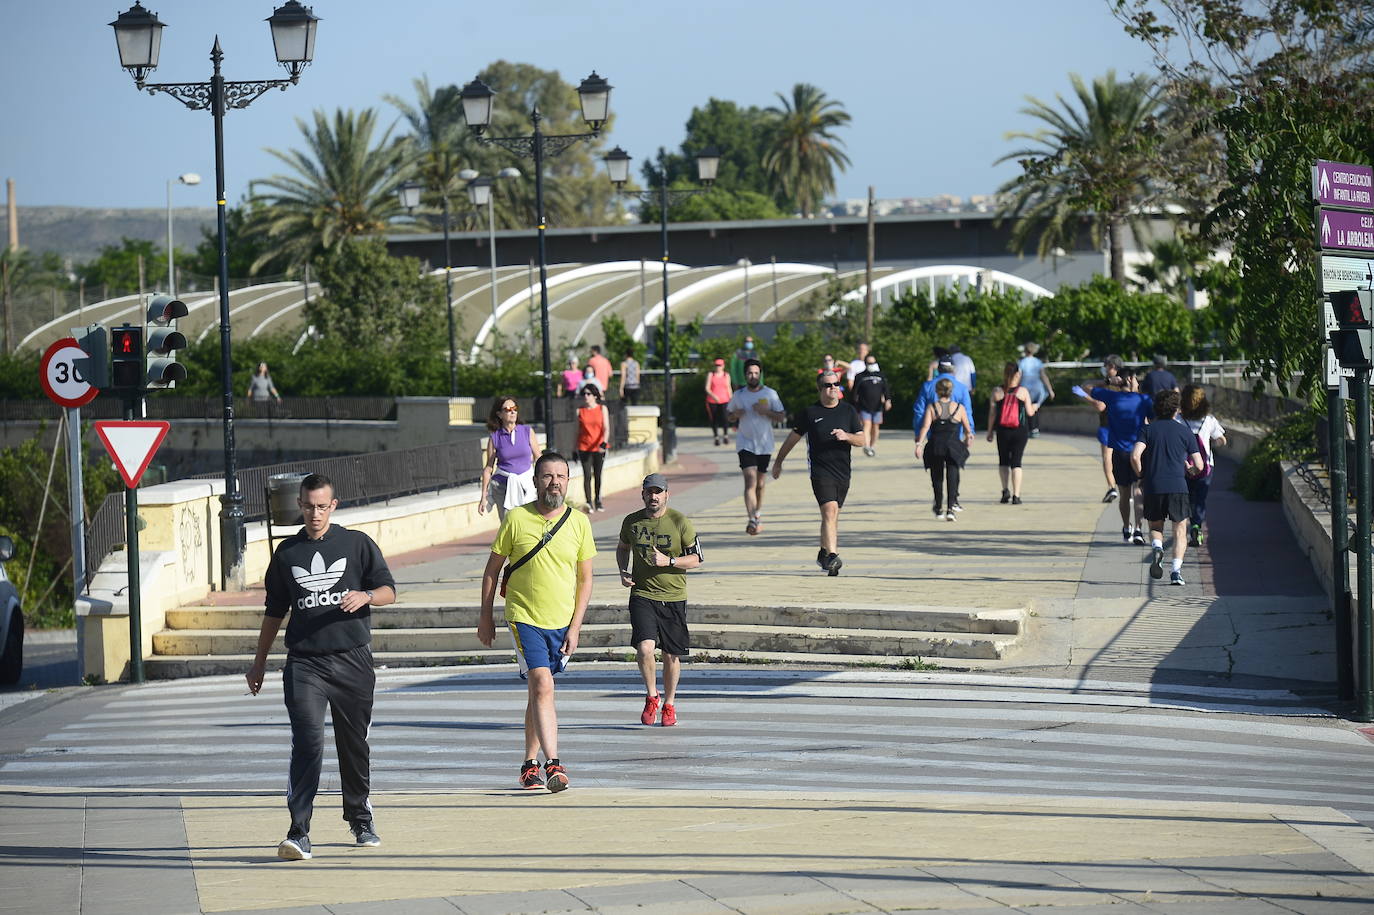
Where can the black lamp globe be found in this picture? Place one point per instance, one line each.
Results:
(409, 194)
(594, 94)
(138, 34)
(477, 97)
(708, 163)
(479, 192)
(293, 36)
(617, 166)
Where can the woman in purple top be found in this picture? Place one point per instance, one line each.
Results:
(508, 465)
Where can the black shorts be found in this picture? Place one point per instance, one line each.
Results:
(1122, 470)
(1011, 445)
(660, 621)
(749, 459)
(829, 489)
(1173, 506)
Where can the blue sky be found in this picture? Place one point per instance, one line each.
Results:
(932, 86)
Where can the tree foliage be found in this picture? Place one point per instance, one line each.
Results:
(117, 266)
(803, 150)
(41, 567)
(576, 193)
(743, 189)
(1283, 83)
(369, 295)
(1100, 156)
(342, 186)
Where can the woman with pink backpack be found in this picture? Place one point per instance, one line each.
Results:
(1009, 414)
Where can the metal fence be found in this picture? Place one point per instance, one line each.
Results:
(363, 478)
(166, 406)
(104, 532)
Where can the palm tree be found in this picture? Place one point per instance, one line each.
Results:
(1102, 160)
(804, 151)
(343, 186)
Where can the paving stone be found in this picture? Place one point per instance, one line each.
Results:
(541, 901)
(437, 905)
(1020, 884)
(1141, 881)
(654, 893)
(903, 888)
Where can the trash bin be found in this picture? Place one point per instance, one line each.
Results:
(283, 489)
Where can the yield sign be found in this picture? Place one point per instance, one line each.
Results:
(132, 443)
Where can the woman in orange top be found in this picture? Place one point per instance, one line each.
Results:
(593, 441)
(718, 391)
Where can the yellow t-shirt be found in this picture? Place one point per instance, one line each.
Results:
(543, 591)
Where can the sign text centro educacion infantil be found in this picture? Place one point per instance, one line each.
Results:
(1341, 184)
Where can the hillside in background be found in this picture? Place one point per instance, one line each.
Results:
(79, 233)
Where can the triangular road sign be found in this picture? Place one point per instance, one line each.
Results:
(132, 443)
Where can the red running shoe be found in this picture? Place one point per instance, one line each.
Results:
(555, 776)
(529, 777)
(650, 710)
(669, 716)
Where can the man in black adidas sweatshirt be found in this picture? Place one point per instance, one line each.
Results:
(328, 579)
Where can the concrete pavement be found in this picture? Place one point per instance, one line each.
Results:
(1247, 617)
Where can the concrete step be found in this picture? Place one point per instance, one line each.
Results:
(417, 616)
(712, 637)
(164, 667)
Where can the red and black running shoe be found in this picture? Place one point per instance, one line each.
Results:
(529, 777)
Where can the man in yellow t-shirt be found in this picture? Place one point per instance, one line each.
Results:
(546, 598)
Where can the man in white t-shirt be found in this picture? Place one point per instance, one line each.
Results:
(856, 366)
(755, 407)
(964, 370)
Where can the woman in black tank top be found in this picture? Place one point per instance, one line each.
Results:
(944, 453)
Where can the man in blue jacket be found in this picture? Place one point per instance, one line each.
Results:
(959, 395)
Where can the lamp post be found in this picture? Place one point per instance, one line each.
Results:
(618, 166)
(188, 178)
(480, 195)
(746, 263)
(409, 194)
(594, 96)
(138, 34)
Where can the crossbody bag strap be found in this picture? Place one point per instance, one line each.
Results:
(540, 545)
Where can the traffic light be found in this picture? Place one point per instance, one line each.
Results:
(164, 340)
(94, 368)
(1353, 307)
(1353, 342)
(126, 358)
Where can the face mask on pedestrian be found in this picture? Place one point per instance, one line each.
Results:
(748, 344)
(872, 367)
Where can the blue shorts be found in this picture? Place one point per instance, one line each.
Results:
(875, 417)
(535, 647)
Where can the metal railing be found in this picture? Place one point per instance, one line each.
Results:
(364, 478)
(211, 409)
(104, 532)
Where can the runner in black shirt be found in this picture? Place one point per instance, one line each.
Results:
(831, 428)
(328, 579)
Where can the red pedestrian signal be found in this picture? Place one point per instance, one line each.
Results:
(1353, 308)
(126, 363)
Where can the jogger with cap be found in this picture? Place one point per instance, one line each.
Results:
(657, 546)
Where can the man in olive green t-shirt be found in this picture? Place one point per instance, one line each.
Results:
(662, 545)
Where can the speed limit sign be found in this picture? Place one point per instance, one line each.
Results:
(61, 375)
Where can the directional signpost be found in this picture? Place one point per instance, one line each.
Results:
(1343, 216)
(132, 444)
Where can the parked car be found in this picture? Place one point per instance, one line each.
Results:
(11, 621)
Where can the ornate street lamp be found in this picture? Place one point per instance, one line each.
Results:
(409, 195)
(618, 167)
(138, 34)
(480, 195)
(594, 97)
(190, 178)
